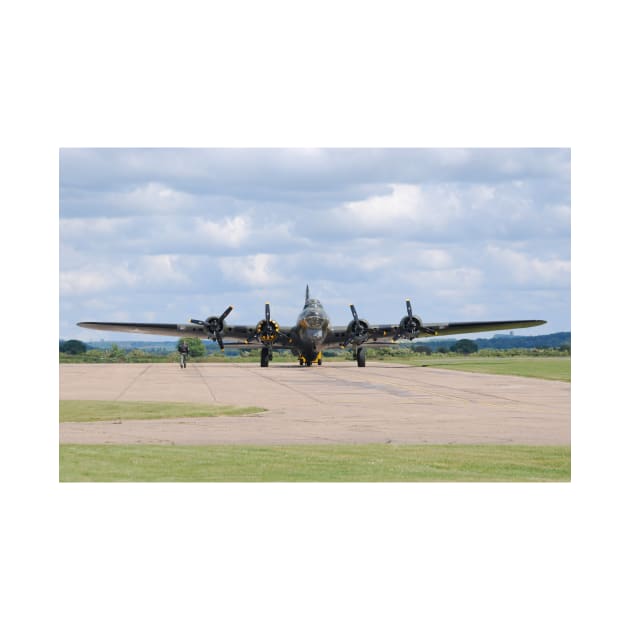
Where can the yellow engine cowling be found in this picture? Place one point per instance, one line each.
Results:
(267, 331)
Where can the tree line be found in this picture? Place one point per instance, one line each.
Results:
(74, 350)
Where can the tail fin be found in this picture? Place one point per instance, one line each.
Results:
(306, 298)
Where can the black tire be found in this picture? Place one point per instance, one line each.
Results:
(264, 357)
(319, 361)
(309, 363)
(361, 357)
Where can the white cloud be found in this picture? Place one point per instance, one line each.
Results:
(462, 279)
(81, 282)
(404, 203)
(88, 228)
(474, 311)
(231, 231)
(453, 212)
(433, 258)
(154, 197)
(407, 209)
(141, 273)
(161, 269)
(481, 195)
(530, 270)
(259, 270)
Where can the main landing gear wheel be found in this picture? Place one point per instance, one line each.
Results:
(361, 357)
(319, 361)
(301, 360)
(264, 357)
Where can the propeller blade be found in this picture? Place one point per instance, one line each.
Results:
(354, 313)
(227, 311)
(219, 340)
(408, 302)
(267, 312)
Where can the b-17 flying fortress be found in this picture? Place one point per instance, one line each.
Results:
(312, 332)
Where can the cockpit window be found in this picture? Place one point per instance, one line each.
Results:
(313, 303)
(314, 321)
(314, 316)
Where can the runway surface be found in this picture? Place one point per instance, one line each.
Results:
(333, 403)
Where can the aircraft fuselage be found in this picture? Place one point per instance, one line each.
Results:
(310, 331)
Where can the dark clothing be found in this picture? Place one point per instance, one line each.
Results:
(183, 348)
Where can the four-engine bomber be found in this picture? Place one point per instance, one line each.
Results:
(312, 332)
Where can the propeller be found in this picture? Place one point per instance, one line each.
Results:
(411, 326)
(357, 328)
(214, 325)
(267, 330)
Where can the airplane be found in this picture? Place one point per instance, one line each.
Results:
(312, 332)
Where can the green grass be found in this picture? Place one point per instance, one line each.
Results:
(95, 410)
(371, 462)
(550, 368)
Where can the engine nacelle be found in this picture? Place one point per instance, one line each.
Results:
(358, 327)
(214, 324)
(267, 330)
(410, 325)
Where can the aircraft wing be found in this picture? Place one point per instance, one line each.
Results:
(462, 328)
(237, 333)
(178, 330)
(382, 333)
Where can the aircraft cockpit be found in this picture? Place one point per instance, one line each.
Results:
(314, 321)
(313, 316)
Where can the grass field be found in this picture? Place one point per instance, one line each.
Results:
(550, 368)
(372, 462)
(95, 410)
(376, 462)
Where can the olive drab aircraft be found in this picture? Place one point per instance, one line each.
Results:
(312, 332)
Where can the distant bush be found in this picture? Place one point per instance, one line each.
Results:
(465, 346)
(72, 346)
(421, 348)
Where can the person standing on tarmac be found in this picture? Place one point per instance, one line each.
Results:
(183, 353)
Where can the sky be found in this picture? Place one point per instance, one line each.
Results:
(163, 235)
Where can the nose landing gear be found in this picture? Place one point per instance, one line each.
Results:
(309, 362)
